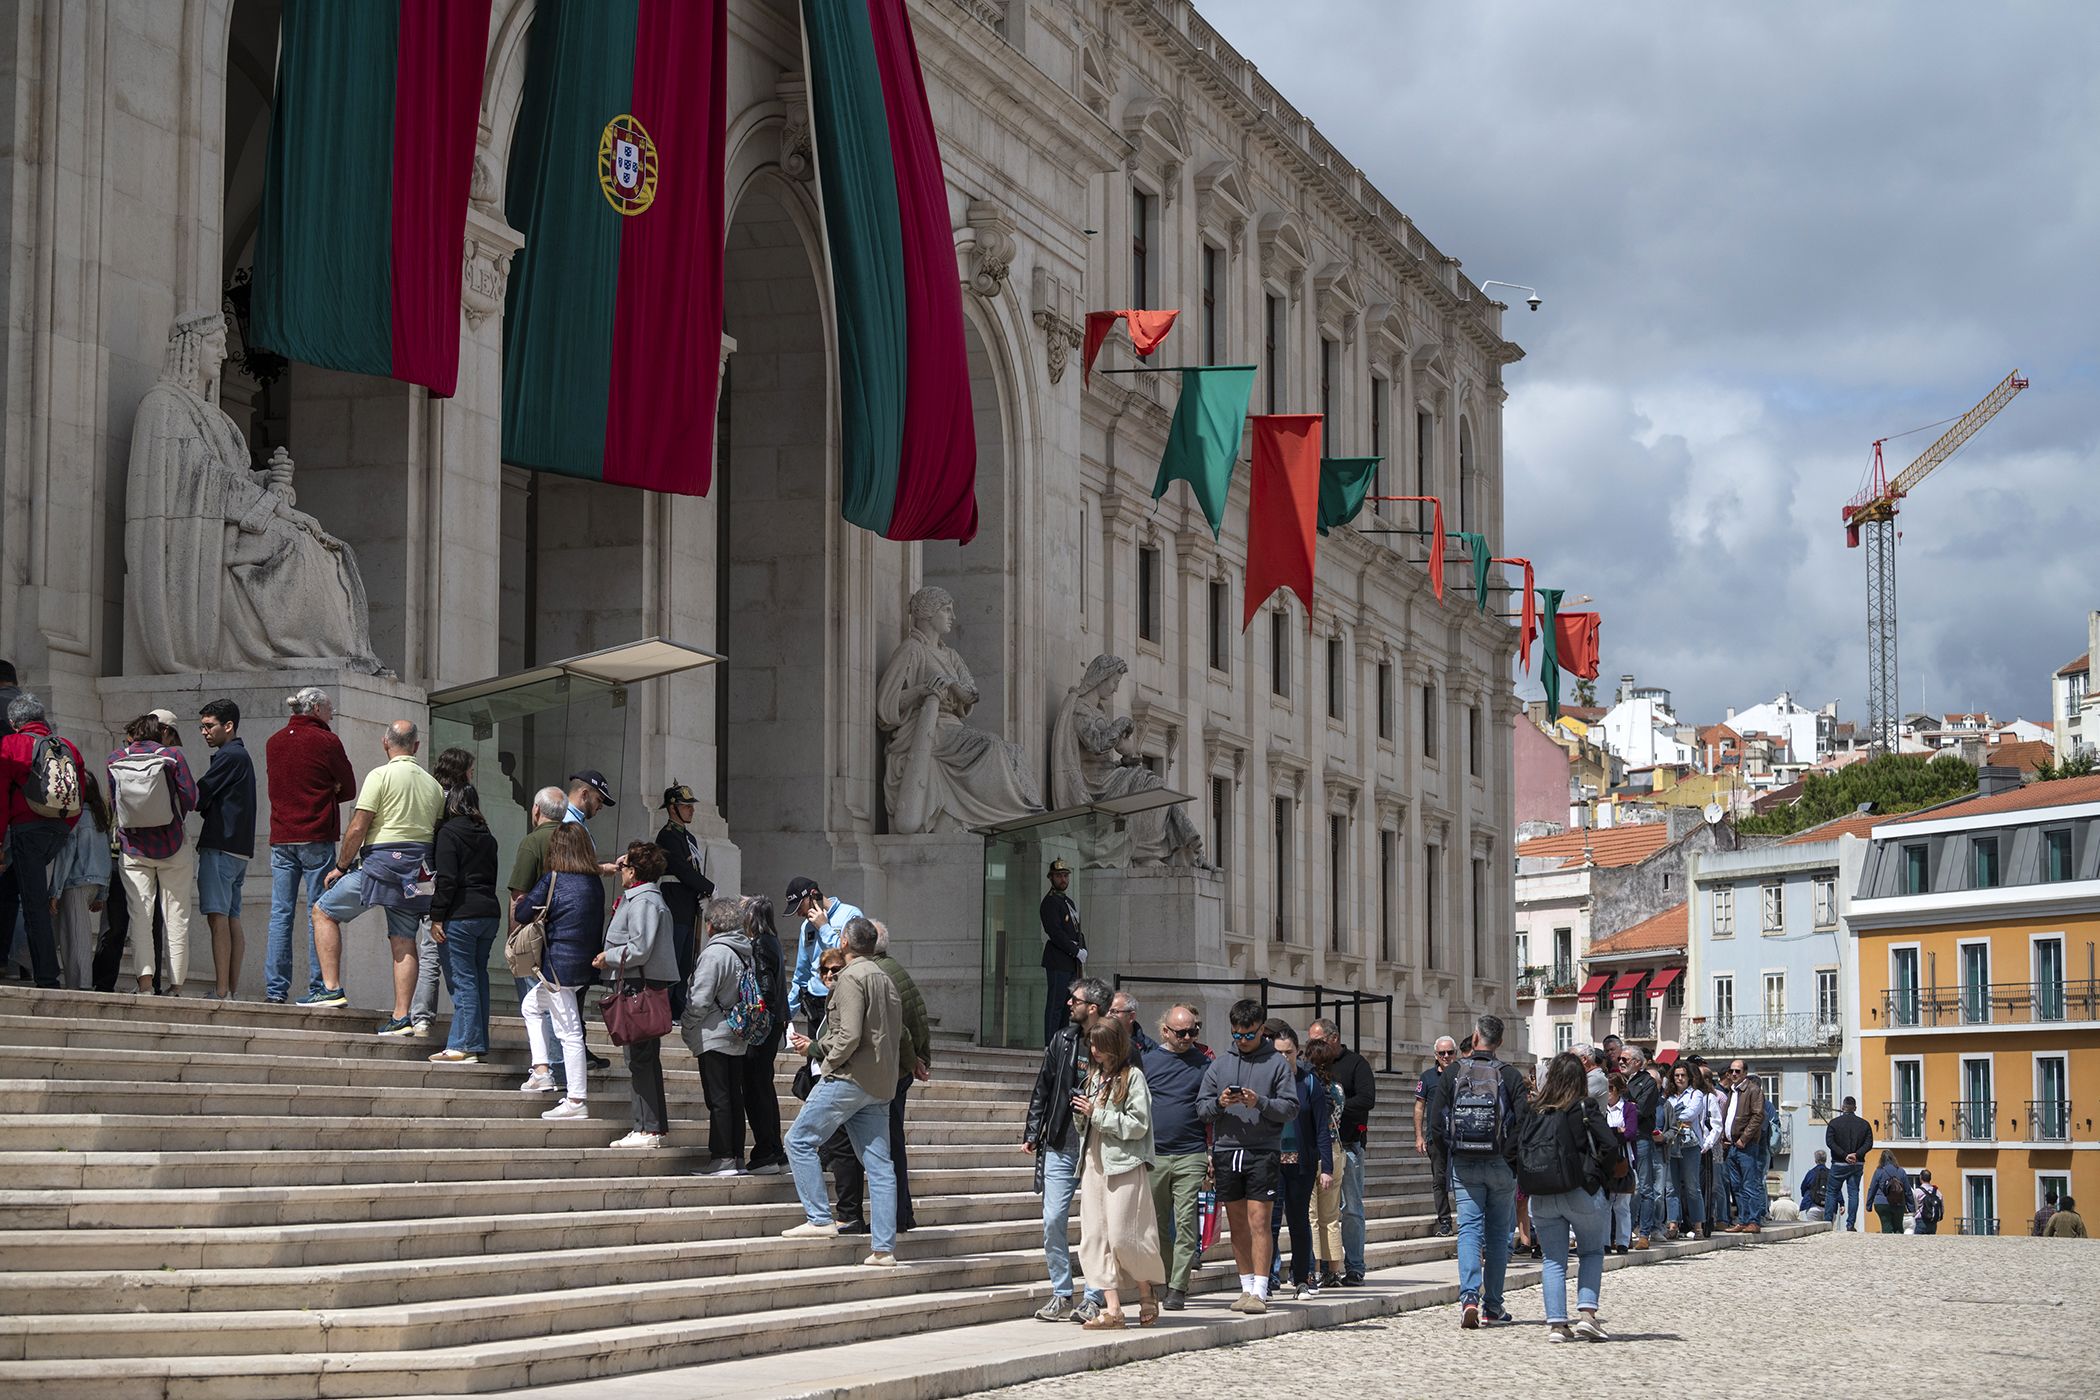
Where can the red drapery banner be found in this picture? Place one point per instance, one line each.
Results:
(1147, 330)
(1576, 637)
(1531, 610)
(1283, 509)
(1436, 539)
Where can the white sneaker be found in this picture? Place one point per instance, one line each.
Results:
(880, 1261)
(568, 1108)
(723, 1166)
(641, 1139)
(809, 1231)
(1589, 1331)
(537, 1082)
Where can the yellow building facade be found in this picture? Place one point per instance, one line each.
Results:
(1977, 931)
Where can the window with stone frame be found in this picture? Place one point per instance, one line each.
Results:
(1283, 841)
(1337, 880)
(1221, 822)
(1141, 278)
(1337, 680)
(1220, 626)
(1272, 350)
(1279, 654)
(1432, 910)
(1385, 701)
(1772, 902)
(1388, 889)
(1724, 911)
(1724, 1000)
(1150, 593)
(1826, 894)
(1213, 331)
(1429, 726)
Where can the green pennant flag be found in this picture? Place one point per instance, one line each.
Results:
(1344, 482)
(1477, 546)
(1204, 440)
(1549, 659)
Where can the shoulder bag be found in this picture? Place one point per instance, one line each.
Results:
(636, 1011)
(526, 947)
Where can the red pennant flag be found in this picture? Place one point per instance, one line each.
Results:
(1531, 610)
(1436, 539)
(1147, 330)
(1575, 635)
(1283, 512)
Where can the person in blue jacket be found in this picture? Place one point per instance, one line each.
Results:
(1308, 1151)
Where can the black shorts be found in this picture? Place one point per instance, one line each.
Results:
(1246, 1176)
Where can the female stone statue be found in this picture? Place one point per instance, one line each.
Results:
(943, 775)
(223, 573)
(1093, 758)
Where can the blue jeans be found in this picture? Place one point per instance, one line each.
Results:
(1690, 1195)
(835, 1104)
(1060, 1180)
(1353, 1209)
(1747, 1167)
(1843, 1182)
(467, 945)
(1554, 1218)
(1621, 1211)
(1487, 1211)
(1649, 1166)
(32, 846)
(290, 864)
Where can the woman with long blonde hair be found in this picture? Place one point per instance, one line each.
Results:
(1118, 1229)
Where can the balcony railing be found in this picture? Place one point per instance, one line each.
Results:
(1975, 1120)
(1546, 982)
(2048, 1120)
(1975, 1224)
(1796, 1030)
(1992, 1004)
(1638, 1024)
(1906, 1121)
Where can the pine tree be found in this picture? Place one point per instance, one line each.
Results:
(1893, 783)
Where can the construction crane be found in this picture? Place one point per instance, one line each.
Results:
(1872, 514)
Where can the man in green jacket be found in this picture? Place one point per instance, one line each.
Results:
(914, 1061)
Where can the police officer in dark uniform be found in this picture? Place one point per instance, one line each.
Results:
(1064, 949)
(684, 885)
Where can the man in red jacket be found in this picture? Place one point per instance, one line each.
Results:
(30, 840)
(310, 778)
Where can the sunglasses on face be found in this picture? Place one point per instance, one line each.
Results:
(1441, 1054)
(1183, 1030)
(1254, 1034)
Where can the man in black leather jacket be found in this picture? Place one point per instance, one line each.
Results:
(1055, 1142)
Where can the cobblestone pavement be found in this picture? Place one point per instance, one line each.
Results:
(1833, 1314)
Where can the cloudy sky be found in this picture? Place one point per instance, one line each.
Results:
(1766, 235)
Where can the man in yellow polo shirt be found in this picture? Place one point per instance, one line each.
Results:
(383, 854)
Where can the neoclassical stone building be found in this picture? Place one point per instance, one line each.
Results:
(1352, 776)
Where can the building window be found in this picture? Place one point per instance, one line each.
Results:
(1220, 628)
(1388, 879)
(1429, 721)
(1724, 1000)
(1328, 350)
(1272, 347)
(1674, 997)
(1385, 700)
(1915, 865)
(1724, 911)
(1821, 1085)
(2056, 854)
(1523, 951)
(1563, 1037)
(1986, 850)
(1221, 822)
(1774, 906)
(1211, 258)
(1378, 478)
(1140, 249)
(1829, 1010)
(1775, 995)
(2048, 979)
(1282, 872)
(1976, 983)
(1479, 893)
(1473, 744)
(1979, 1204)
(1337, 878)
(1280, 654)
(1432, 864)
(1148, 590)
(1337, 681)
(1826, 903)
(1903, 986)
(1425, 453)
(1907, 1108)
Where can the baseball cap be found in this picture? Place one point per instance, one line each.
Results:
(166, 717)
(593, 779)
(801, 888)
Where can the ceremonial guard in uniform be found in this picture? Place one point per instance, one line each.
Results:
(1064, 948)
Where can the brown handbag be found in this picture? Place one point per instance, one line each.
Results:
(636, 1011)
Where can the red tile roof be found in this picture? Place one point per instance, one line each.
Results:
(1834, 828)
(1717, 731)
(2083, 663)
(2024, 754)
(1608, 846)
(1661, 932)
(2064, 792)
(1588, 714)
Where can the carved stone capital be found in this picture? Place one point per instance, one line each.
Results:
(992, 252)
(1055, 309)
(485, 264)
(797, 153)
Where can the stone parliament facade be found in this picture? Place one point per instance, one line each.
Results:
(1350, 772)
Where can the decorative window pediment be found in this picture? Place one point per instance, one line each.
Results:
(1285, 252)
(1221, 203)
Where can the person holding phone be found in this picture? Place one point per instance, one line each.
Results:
(1248, 1095)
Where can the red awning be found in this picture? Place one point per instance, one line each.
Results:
(1593, 986)
(1626, 982)
(1664, 980)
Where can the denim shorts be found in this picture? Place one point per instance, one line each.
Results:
(220, 875)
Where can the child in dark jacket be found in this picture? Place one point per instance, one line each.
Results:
(572, 900)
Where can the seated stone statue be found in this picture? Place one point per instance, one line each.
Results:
(1094, 758)
(941, 775)
(222, 573)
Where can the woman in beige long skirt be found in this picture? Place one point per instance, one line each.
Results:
(1327, 1194)
(1118, 1229)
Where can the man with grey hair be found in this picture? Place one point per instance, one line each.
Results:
(710, 998)
(530, 862)
(914, 1062)
(41, 777)
(1651, 1164)
(1431, 1084)
(1478, 1114)
(382, 854)
(1596, 1079)
(1125, 1008)
(1055, 1141)
(309, 778)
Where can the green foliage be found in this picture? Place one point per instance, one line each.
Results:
(1585, 691)
(1892, 782)
(2081, 764)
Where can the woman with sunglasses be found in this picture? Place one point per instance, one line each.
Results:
(1118, 1230)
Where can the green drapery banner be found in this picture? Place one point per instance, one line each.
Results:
(1477, 546)
(1344, 482)
(1204, 440)
(1549, 652)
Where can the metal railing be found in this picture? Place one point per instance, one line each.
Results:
(1821, 1110)
(1975, 1224)
(1638, 1024)
(2048, 1120)
(1906, 1120)
(1796, 1030)
(1992, 1004)
(1326, 1001)
(1975, 1120)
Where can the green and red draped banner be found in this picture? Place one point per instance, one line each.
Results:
(1203, 441)
(1344, 482)
(1575, 644)
(364, 205)
(1549, 654)
(1283, 509)
(1531, 611)
(1147, 330)
(612, 338)
(908, 450)
(1477, 547)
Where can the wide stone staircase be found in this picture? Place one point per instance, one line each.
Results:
(227, 1199)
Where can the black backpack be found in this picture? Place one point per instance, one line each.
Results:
(1553, 1152)
(1479, 1122)
(1931, 1207)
